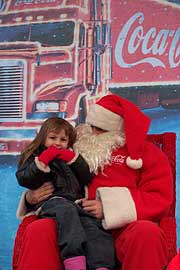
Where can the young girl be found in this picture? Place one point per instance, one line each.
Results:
(49, 158)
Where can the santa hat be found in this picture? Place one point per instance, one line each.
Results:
(114, 113)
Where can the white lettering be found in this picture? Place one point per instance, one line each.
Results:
(118, 159)
(174, 51)
(136, 35)
(160, 44)
(147, 44)
(152, 42)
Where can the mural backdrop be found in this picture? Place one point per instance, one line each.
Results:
(57, 57)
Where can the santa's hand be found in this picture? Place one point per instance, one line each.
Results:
(94, 207)
(42, 193)
(66, 155)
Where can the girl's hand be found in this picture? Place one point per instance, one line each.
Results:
(94, 207)
(49, 154)
(66, 155)
(39, 194)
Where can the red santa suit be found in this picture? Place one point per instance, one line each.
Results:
(128, 195)
(175, 262)
(133, 180)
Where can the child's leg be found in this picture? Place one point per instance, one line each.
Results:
(71, 236)
(99, 248)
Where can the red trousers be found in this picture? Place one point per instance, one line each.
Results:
(139, 246)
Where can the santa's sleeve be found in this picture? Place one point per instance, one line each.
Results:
(150, 200)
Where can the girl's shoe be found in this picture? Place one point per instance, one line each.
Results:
(75, 263)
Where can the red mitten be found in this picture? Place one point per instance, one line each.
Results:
(49, 154)
(66, 155)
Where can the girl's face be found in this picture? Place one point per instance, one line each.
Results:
(59, 140)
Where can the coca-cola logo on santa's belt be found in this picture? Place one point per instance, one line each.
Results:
(118, 159)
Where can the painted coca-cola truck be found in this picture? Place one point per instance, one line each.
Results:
(58, 56)
(52, 55)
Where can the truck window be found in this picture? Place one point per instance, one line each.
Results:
(14, 33)
(48, 34)
(56, 34)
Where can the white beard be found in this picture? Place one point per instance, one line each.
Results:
(97, 149)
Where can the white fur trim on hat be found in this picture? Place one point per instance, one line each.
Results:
(134, 163)
(99, 116)
(118, 206)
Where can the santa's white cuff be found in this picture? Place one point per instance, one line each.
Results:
(22, 209)
(118, 207)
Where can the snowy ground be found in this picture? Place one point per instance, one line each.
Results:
(163, 120)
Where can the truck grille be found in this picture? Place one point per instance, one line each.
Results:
(11, 90)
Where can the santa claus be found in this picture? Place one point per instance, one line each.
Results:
(130, 192)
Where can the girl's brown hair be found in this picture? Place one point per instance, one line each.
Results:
(54, 124)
